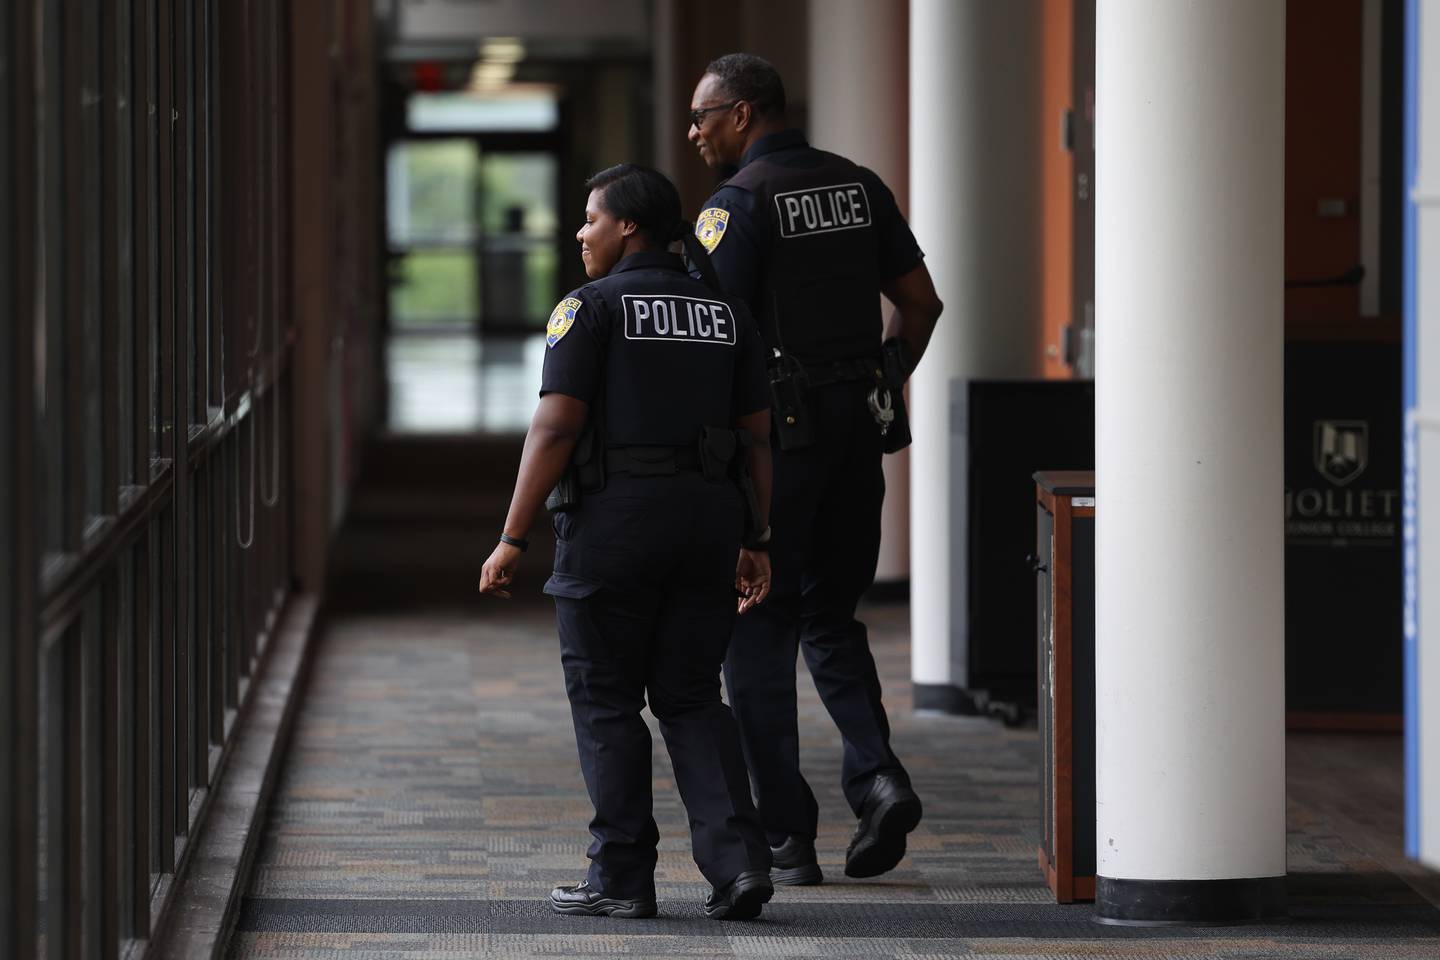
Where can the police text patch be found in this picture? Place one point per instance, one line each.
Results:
(664, 316)
(710, 227)
(561, 320)
(842, 206)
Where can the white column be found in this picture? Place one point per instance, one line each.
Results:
(1422, 450)
(861, 114)
(1190, 631)
(975, 208)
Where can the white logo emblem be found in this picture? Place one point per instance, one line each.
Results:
(1342, 449)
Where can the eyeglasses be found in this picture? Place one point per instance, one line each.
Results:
(697, 116)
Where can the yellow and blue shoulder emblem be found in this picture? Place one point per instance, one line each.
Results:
(710, 227)
(562, 318)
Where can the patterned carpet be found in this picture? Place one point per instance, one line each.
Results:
(432, 796)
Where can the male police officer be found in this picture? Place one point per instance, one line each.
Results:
(810, 241)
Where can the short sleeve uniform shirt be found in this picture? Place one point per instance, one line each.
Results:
(661, 354)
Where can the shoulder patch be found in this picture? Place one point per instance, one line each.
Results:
(710, 227)
(562, 318)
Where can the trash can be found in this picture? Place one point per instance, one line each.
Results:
(1064, 564)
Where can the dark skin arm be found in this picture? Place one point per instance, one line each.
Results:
(917, 308)
(758, 426)
(556, 426)
(752, 571)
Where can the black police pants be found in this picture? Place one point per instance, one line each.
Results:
(645, 602)
(825, 518)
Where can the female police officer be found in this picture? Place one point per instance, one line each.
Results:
(655, 369)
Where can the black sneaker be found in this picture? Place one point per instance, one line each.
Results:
(742, 898)
(583, 899)
(890, 811)
(793, 863)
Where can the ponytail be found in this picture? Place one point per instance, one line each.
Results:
(637, 193)
(700, 258)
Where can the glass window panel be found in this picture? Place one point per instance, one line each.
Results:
(92, 765)
(156, 620)
(199, 774)
(94, 424)
(542, 270)
(50, 858)
(123, 160)
(462, 110)
(192, 181)
(149, 235)
(42, 809)
(509, 373)
(433, 287)
(520, 283)
(433, 383)
(519, 194)
(463, 382)
(125, 760)
(518, 212)
(51, 282)
(90, 110)
(431, 192)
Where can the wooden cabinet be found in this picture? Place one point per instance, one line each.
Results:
(1064, 563)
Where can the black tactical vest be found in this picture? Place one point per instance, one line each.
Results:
(819, 288)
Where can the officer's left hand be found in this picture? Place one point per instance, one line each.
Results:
(499, 571)
(752, 578)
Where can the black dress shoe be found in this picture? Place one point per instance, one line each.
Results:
(742, 898)
(890, 811)
(581, 898)
(793, 863)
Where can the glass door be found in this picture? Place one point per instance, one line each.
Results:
(473, 241)
(433, 232)
(433, 239)
(519, 199)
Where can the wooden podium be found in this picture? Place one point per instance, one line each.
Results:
(1064, 564)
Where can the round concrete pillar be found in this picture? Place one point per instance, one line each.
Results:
(1190, 128)
(975, 197)
(861, 114)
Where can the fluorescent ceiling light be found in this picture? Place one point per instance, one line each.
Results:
(488, 74)
(502, 49)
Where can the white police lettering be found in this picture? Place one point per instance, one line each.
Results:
(843, 206)
(663, 316)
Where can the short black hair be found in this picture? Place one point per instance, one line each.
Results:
(632, 191)
(744, 76)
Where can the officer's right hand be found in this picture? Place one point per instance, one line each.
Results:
(752, 578)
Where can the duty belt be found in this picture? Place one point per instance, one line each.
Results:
(825, 372)
(651, 461)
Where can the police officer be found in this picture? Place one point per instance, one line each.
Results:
(810, 240)
(646, 376)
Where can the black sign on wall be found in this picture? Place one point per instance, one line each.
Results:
(1342, 528)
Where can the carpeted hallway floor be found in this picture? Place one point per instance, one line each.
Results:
(432, 797)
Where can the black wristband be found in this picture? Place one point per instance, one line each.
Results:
(760, 543)
(516, 542)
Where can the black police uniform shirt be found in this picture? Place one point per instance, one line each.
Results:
(661, 353)
(807, 239)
